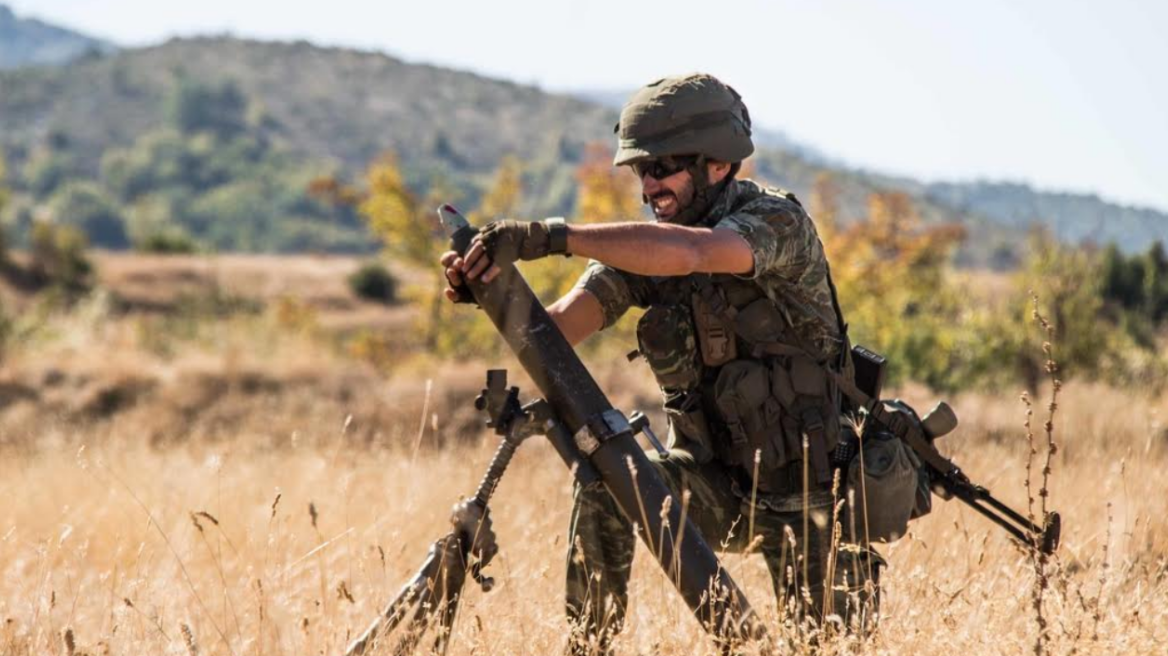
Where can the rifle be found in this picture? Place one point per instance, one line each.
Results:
(595, 441)
(920, 434)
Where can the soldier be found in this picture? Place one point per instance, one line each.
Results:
(741, 321)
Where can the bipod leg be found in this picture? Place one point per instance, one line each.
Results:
(440, 599)
(434, 589)
(1046, 537)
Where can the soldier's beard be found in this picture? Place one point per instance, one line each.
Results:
(666, 204)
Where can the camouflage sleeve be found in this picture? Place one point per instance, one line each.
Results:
(610, 287)
(780, 234)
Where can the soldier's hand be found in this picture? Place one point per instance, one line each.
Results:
(504, 242)
(457, 291)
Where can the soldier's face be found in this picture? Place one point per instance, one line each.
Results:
(669, 195)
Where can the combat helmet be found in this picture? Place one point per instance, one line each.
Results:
(694, 114)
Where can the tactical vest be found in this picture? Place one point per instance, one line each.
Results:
(739, 384)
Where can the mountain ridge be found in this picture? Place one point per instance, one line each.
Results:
(32, 42)
(342, 107)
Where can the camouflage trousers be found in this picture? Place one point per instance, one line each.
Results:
(601, 544)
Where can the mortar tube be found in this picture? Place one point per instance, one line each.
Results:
(586, 413)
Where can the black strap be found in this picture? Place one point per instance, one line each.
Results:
(557, 236)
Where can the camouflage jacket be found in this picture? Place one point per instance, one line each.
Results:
(790, 267)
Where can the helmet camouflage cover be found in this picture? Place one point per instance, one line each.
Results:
(694, 114)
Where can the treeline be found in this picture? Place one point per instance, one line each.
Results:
(208, 179)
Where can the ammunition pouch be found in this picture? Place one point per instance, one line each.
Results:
(769, 406)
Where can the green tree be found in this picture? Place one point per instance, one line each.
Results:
(1069, 286)
(152, 228)
(1155, 283)
(1122, 278)
(220, 107)
(86, 206)
(45, 171)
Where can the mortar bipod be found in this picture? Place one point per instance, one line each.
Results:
(433, 593)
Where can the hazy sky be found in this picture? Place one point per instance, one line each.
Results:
(1067, 95)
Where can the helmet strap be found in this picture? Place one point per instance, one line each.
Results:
(704, 193)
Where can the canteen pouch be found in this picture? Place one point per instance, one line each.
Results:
(884, 480)
(665, 336)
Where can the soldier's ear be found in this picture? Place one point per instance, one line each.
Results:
(717, 171)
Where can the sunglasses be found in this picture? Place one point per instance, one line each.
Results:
(663, 167)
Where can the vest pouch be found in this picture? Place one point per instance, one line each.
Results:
(665, 336)
(760, 322)
(883, 481)
(753, 417)
(715, 331)
(809, 408)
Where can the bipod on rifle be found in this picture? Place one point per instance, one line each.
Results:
(948, 481)
(431, 596)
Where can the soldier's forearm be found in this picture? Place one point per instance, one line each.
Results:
(661, 249)
(578, 314)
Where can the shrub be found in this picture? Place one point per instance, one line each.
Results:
(59, 258)
(167, 243)
(373, 282)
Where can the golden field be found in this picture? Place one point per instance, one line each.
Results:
(244, 477)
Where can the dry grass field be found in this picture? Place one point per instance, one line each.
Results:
(248, 490)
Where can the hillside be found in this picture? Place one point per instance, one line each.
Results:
(30, 42)
(319, 110)
(304, 110)
(1075, 218)
(343, 106)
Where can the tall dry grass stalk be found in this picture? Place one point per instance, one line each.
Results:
(1039, 558)
(250, 439)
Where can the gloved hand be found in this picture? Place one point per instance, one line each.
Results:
(507, 241)
(501, 243)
